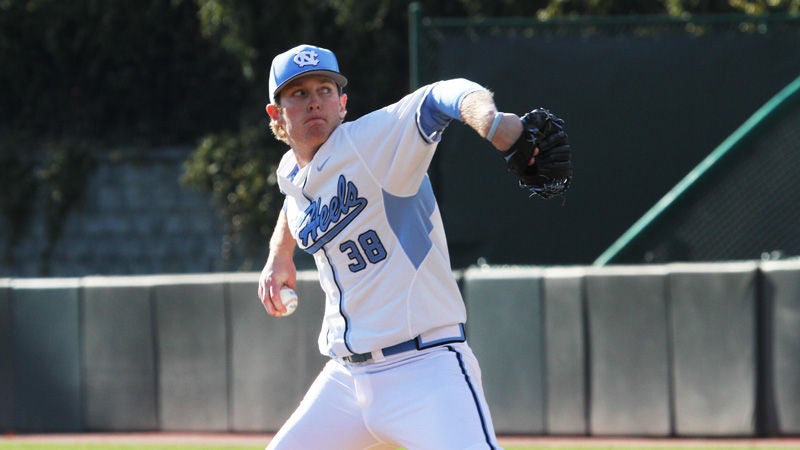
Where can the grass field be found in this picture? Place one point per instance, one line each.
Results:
(254, 441)
(56, 446)
(11, 445)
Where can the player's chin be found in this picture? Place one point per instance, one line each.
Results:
(318, 131)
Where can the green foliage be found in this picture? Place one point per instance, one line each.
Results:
(63, 176)
(59, 171)
(154, 73)
(759, 7)
(18, 186)
(238, 168)
(119, 72)
(239, 172)
(83, 74)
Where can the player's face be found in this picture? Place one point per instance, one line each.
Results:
(311, 108)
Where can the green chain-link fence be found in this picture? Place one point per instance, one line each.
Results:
(646, 100)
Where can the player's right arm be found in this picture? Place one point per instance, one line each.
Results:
(279, 270)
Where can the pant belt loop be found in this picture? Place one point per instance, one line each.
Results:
(377, 356)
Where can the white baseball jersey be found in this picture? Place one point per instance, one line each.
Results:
(365, 209)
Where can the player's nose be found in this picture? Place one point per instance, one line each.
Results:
(314, 102)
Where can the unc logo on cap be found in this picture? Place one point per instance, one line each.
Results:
(306, 58)
(303, 60)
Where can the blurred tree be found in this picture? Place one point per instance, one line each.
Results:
(370, 40)
(17, 186)
(82, 74)
(238, 168)
(119, 72)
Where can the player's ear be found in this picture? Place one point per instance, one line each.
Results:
(273, 112)
(342, 106)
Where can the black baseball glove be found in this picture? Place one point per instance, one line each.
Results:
(551, 174)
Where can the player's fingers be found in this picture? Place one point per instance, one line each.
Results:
(533, 158)
(554, 140)
(271, 309)
(273, 303)
(266, 301)
(266, 297)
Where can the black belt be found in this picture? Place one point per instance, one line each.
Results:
(418, 343)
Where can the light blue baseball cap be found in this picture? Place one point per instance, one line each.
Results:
(303, 60)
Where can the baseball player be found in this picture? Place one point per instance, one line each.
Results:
(357, 197)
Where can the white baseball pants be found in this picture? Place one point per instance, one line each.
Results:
(426, 399)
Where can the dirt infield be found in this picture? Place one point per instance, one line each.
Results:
(222, 439)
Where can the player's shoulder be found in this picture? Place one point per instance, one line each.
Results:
(288, 163)
(405, 106)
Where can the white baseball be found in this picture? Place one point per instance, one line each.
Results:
(289, 299)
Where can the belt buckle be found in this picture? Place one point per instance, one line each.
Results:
(358, 358)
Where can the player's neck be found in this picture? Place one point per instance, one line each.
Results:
(304, 156)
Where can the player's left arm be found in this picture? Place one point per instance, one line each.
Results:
(538, 134)
(468, 102)
(479, 112)
(535, 146)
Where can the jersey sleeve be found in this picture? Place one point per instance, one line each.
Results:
(442, 105)
(397, 142)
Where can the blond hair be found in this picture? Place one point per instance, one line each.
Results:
(277, 130)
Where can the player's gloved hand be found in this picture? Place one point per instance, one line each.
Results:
(551, 174)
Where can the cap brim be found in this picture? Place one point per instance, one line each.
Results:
(335, 76)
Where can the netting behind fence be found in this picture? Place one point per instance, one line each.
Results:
(743, 202)
(645, 100)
